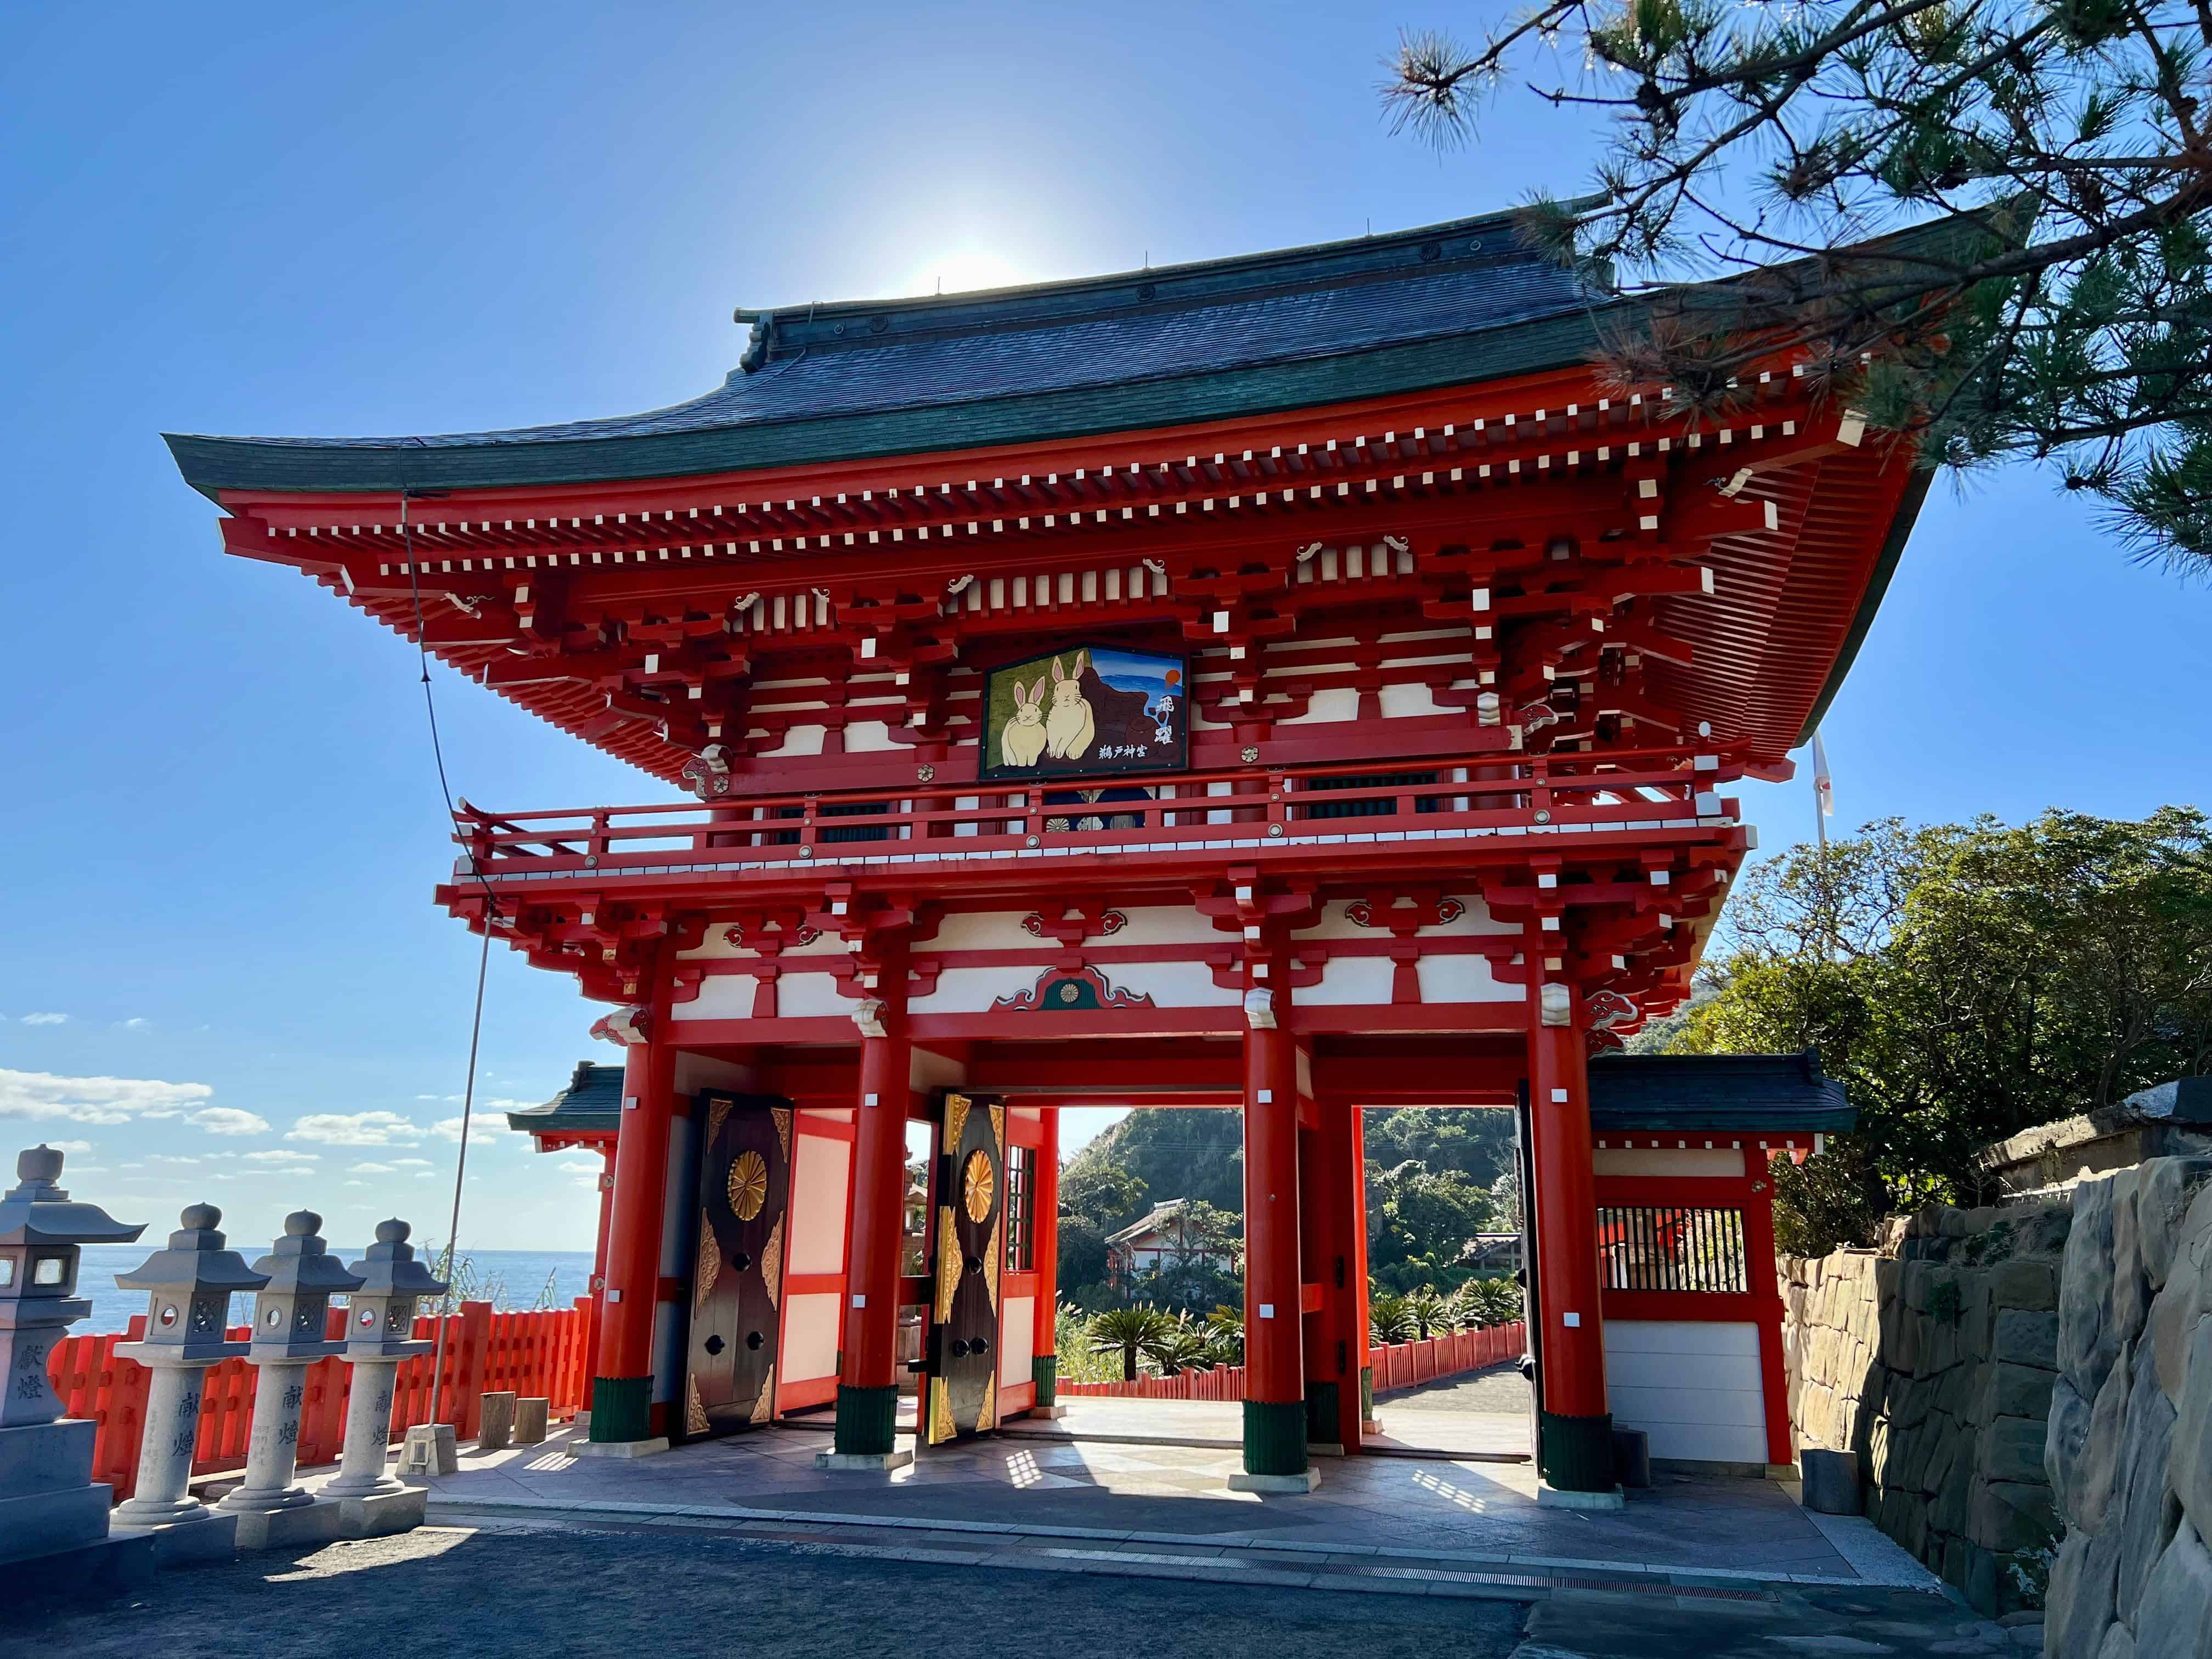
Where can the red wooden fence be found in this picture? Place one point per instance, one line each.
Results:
(1399, 1366)
(536, 1354)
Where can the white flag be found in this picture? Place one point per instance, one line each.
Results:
(1824, 787)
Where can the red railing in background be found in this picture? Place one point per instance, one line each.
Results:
(538, 1354)
(1400, 1365)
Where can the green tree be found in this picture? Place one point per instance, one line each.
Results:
(1965, 982)
(2068, 320)
(1419, 1221)
(1390, 1319)
(1128, 1332)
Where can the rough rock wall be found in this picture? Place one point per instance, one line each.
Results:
(1934, 1358)
(2128, 1450)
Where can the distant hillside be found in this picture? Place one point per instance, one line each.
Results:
(1192, 1153)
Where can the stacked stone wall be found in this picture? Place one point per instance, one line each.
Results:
(1934, 1358)
(2128, 1446)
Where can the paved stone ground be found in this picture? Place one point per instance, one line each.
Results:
(1500, 1391)
(1475, 1514)
(525, 1589)
(516, 1594)
(1419, 1423)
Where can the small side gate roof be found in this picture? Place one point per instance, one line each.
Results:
(1729, 1094)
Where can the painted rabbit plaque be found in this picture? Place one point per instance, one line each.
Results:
(1086, 711)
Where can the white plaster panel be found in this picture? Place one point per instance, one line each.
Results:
(1350, 979)
(716, 946)
(1473, 920)
(829, 1114)
(810, 1338)
(868, 737)
(1463, 979)
(799, 995)
(927, 1069)
(726, 996)
(1174, 984)
(1166, 924)
(1017, 1339)
(1330, 704)
(1034, 1114)
(973, 990)
(980, 930)
(1693, 1162)
(820, 1172)
(1415, 699)
(804, 740)
(1694, 1386)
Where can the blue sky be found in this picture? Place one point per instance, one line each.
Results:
(219, 970)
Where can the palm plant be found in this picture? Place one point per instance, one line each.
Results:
(1482, 1302)
(1178, 1348)
(1224, 1336)
(1389, 1319)
(1428, 1311)
(1127, 1331)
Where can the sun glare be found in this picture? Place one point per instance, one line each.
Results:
(965, 271)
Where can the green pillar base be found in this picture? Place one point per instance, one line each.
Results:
(1578, 1452)
(621, 1408)
(1274, 1437)
(867, 1420)
(1321, 1427)
(1044, 1372)
(1367, 1393)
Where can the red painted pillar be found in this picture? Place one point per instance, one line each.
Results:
(1329, 1192)
(598, 1285)
(1758, 1261)
(868, 1380)
(1274, 1371)
(1044, 1366)
(1362, 1363)
(1576, 1455)
(622, 1383)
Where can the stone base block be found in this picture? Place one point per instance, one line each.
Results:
(1550, 1496)
(619, 1448)
(430, 1449)
(43, 1457)
(42, 1522)
(104, 1566)
(1324, 1449)
(300, 1526)
(1830, 1481)
(1047, 1413)
(1242, 1482)
(385, 1512)
(882, 1462)
(1369, 1425)
(212, 1537)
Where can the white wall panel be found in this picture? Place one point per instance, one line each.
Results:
(810, 1338)
(1693, 1387)
(819, 1174)
(1017, 1339)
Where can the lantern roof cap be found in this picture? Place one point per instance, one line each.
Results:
(301, 1262)
(196, 1259)
(388, 1267)
(37, 1210)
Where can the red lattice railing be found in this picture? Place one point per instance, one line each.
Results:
(1398, 1365)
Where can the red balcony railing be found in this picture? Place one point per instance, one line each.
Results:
(1196, 812)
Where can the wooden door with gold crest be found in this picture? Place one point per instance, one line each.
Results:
(971, 1244)
(737, 1285)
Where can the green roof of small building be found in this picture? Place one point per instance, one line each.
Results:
(591, 1104)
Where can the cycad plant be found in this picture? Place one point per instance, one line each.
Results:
(1128, 1331)
(1431, 1315)
(1389, 1319)
(1180, 1347)
(1224, 1336)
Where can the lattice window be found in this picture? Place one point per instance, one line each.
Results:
(1667, 1247)
(1021, 1209)
(1373, 806)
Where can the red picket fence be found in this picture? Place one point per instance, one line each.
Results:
(1399, 1366)
(540, 1353)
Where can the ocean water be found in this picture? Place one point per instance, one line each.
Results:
(507, 1278)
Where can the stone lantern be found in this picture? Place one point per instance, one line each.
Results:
(189, 1286)
(288, 1321)
(379, 1327)
(54, 1516)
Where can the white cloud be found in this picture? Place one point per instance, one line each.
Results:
(228, 1121)
(407, 1163)
(353, 1183)
(137, 1025)
(578, 1169)
(162, 1157)
(93, 1099)
(87, 1169)
(586, 1184)
(452, 1100)
(282, 1156)
(449, 1129)
(372, 1168)
(46, 1019)
(425, 1174)
(356, 1129)
(70, 1146)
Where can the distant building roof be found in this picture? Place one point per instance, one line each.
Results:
(1160, 1214)
(1729, 1093)
(591, 1104)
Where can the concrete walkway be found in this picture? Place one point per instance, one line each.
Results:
(1219, 1424)
(1417, 1515)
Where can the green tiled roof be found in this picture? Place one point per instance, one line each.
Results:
(1731, 1094)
